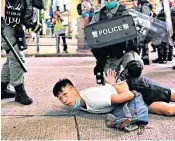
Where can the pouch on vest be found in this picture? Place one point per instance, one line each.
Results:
(109, 32)
(20, 37)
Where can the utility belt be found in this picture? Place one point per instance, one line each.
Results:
(20, 37)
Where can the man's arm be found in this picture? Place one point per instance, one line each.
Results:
(122, 88)
(122, 98)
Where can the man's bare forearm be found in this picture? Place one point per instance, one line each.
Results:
(121, 87)
(122, 98)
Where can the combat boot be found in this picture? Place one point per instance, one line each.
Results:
(6, 93)
(21, 95)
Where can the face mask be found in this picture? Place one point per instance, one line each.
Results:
(77, 103)
(112, 4)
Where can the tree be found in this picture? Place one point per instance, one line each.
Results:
(46, 8)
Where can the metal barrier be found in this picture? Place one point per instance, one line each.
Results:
(46, 37)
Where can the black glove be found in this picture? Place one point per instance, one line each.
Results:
(2, 23)
(36, 27)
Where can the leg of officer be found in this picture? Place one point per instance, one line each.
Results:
(165, 52)
(5, 78)
(170, 53)
(145, 53)
(133, 63)
(15, 71)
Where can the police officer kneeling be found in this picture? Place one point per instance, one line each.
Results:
(117, 54)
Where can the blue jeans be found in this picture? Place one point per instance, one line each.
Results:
(87, 14)
(135, 109)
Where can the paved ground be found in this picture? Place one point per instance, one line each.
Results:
(48, 119)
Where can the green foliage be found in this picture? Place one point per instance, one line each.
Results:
(41, 13)
(46, 5)
(46, 8)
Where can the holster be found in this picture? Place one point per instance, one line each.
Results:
(20, 37)
(98, 71)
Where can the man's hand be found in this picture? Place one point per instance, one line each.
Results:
(110, 76)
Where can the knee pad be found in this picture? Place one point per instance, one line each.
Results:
(134, 68)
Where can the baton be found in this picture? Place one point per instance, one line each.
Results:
(13, 50)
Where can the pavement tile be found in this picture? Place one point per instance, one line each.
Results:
(38, 128)
(92, 127)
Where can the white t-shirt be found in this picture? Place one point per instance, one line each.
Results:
(98, 99)
(86, 6)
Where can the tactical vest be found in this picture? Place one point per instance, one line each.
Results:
(116, 50)
(14, 12)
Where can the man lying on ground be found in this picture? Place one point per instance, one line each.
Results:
(102, 99)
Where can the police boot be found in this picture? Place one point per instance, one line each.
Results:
(6, 93)
(170, 54)
(22, 96)
(165, 53)
(154, 47)
(159, 53)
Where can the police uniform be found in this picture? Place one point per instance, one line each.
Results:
(112, 56)
(145, 8)
(164, 50)
(11, 70)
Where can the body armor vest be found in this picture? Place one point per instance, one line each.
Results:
(13, 12)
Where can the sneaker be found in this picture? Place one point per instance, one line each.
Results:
(110, 120)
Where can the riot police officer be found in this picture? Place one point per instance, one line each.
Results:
(17, 14)
(164, 50)
(146, 8)
(117, 56)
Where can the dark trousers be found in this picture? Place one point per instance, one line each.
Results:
(58, 42)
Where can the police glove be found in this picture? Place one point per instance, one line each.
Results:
(36, 27)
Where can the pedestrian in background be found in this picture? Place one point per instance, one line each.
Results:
(59, 30)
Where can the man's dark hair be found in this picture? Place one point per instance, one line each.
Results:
(59, 85)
